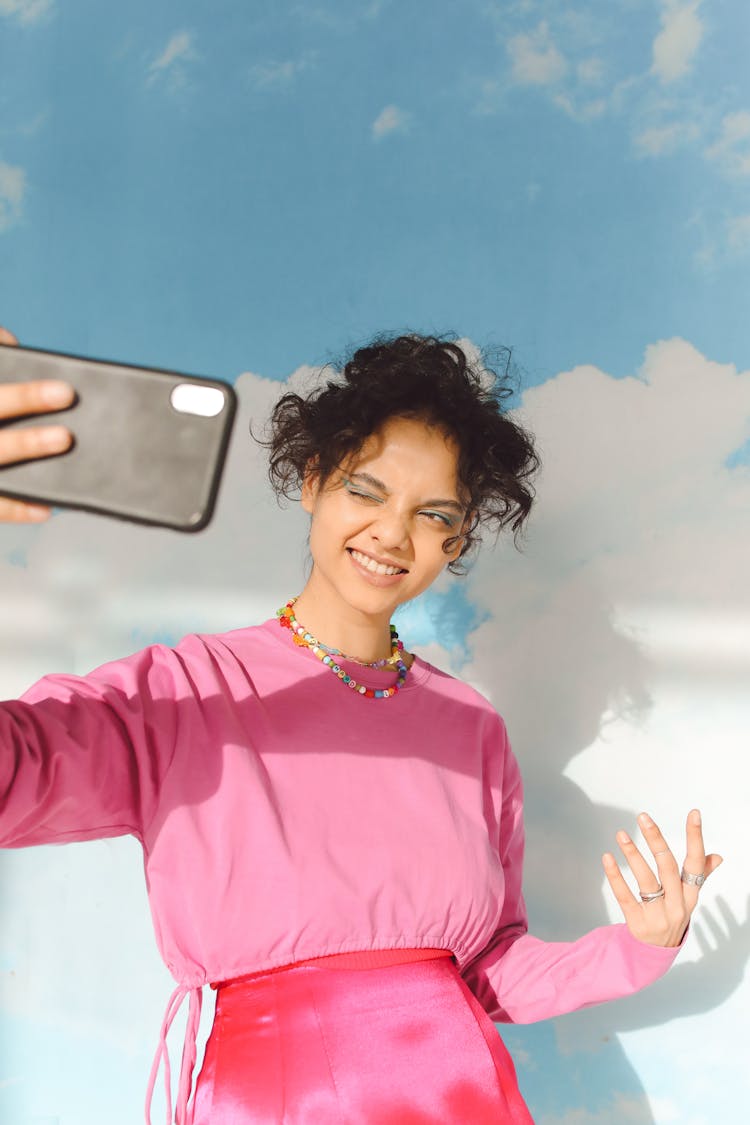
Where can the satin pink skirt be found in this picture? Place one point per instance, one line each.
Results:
(401, 1044)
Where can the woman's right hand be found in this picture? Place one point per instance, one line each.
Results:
(17, 400)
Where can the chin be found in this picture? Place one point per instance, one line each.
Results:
(375, 602)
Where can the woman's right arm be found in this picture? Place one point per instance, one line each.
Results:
(18, 400)
(84, 757)
(81, 757)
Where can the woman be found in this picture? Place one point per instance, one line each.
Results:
(334, 841)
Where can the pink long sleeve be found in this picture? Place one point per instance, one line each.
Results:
(83, 757)
(278, 826)
(520, 979)
(281, 819)
(529, 979)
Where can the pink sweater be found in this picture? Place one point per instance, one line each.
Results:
(283, 817)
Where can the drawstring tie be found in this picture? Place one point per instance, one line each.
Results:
(183, 1113)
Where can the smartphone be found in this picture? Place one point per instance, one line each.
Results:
(148, 445)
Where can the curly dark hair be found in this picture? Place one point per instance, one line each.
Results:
(424, 377)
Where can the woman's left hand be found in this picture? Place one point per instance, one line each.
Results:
(667, 899)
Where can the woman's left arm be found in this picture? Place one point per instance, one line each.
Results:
(667, 898)
(519, 978)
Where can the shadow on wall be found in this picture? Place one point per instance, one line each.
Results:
(558, 671)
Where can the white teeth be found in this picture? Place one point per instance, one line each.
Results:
(375, 567)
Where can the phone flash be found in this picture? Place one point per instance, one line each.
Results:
(206, 402)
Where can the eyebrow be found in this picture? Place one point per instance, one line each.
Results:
(366, 478)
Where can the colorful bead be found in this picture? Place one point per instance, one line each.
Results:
(327, 655)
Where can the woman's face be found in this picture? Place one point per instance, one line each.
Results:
(380, 521)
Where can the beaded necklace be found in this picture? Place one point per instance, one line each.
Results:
(328, 656)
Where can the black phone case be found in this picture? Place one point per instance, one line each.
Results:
(136, 455)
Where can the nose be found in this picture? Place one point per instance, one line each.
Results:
(391, 529)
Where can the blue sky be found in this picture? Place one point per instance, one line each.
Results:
(254, 185)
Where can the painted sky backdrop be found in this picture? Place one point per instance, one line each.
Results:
(231, 185)
(243, 188)
(616, 647)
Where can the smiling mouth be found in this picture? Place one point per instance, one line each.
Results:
(373, 566)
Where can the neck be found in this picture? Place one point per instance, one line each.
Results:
(338, 625)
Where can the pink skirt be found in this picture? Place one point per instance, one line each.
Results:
(321, 1044)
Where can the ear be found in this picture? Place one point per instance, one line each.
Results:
(310, 488)
(461, 538)
(455, 551)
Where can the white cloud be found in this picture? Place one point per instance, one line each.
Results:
(738, 233)
(12, 191)
(621, 1110)
(172, 60)
(680, 37)
(581, 111)
(675, 421)
(732, 148)
(178, 47)
(276, 74)
(390, 120)
(639, 541)
(666, 1110)
(535, 59)
(662, 140)
(34, 125)
(590, 71)
(339, 18)
(26, 11)
(491, 95)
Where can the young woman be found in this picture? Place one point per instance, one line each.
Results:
(332, 828)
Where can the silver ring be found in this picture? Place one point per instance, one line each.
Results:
(692, 880)
(653, 895)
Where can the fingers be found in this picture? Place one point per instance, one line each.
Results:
(659, 919)
(658, 846)
(666, 864)
(27, 442)
(22, 444)
(696, 860)
(18, 511)
(712, 862)
(654, 921)
(620, 888)
(7, 337)
(695, 855)
(644, 876)
(36, 441)
(36, 397)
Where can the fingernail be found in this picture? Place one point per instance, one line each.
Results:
(645, 820)
(695, 817)
(56, 394)
(54, 437)
(622, 837)
(36, 514)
